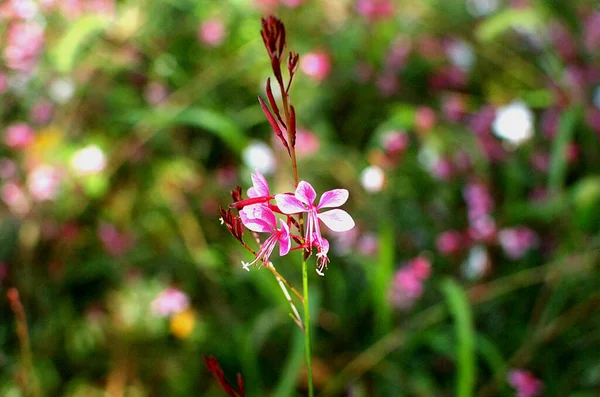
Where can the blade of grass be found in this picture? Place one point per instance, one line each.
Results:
(558, 164)
(382, 277)
(460, 310)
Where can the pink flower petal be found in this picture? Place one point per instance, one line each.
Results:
(337, 220)
(333, 198)
(258, 218)
(289, 204)
(306, 193)
(261, 186)
(285, 243)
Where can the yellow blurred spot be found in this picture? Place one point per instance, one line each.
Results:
(182, 324)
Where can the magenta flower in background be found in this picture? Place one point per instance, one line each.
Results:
(259, 218)
(212, 32)
(425, 118)
(407, 285)
(307, 143)
(374, 10)
(41, 112)
(24, 45)
(525, 384)
(116, 243)
(170, 301)
(292, 3)
(316, 64)
(43, 182)
(304, 201)
(19, 136)
(517, 241)
(3, 83)
(449, 242)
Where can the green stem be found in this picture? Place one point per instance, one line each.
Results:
(311, 391)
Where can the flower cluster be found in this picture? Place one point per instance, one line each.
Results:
(258, 214)
(525, 384)
(407, 285)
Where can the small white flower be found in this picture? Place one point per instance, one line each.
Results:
(259, 156)
(461, 55)
(89, 160)
(514, 123)
(62, 90)
(372, 179)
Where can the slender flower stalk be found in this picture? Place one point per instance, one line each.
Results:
(281, 215)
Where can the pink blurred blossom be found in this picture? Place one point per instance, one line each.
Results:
(266, 6)
(525, 384)
(8, 168)
(19, 136)
(396, 56)
(478, 198)
(442, 169)
(517, 241)
(591, 32)
(155, 93)
(116, 243)
(425, 118)
(15, 198)
(307, 143)
(448, 77)
(407, 285)
(292, 3)
(41, 112)
(454, 107)
(449, 242)
(3, 83)
(481, 122)
(549, 122)
(170, 301)
(540, 161)
(43, 182)
(482, 228)
(344, 242)
(563, 41)
(24, 45)
(316, 64)
(592, 118)
(375, 10)
(18, 9)
(212, 32)
(387, 83)
(368, 244)
(395, 142)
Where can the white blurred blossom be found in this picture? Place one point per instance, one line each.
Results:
(514, 123)
(372, 178)
(62, 90)
(89, 160)
(259, 156)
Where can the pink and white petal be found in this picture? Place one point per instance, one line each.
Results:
(306, 193)
(260, 212)
(333, 198)
(252, 193)
(256, 225)
(337, 220)
(285, 242)
(289, 204)
(261, 185)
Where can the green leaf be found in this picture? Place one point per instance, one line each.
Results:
(528, 19)
(382, 276)
(212, 121)
(459, 308)
(558, 164)
(80, 33)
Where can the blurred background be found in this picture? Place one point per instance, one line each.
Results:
(467, 132)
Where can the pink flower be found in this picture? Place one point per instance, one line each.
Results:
(43, 182)
(116, 243)
(3, 83)
(259, 218)
(212, 32)
(316, 65)
(375, 10)
(307, 143)
(41, 112)
(24, 44)
(292, 3)
(425, 118)
(449, 242)
(18, 136)
(407, 286)
(517, 241)
(170, 301)
(304, 201)
(525, 383)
